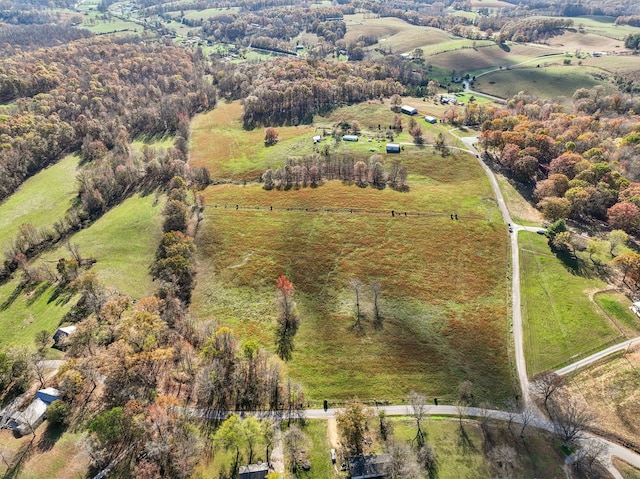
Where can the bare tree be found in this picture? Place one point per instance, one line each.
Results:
(356, 286)
(419, 405)
(375, 290)
(295, 443)
(590, 457)
(428, 460)
(545, 385)
(527, 415)
(570, 419)
(403, 463)
(504, 461)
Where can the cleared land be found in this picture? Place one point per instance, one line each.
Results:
(443, 281)
(123, 242)
(465, 453)
(483, 58)
(520, 209)
(553, 81)
(562, 323)
(41, 199)
(586, 42)
(611, 388)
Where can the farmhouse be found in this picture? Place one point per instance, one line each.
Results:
(408, 110)
(369, 467)
(61, 335)
(393, 147)
(431, 119)
(349, 138)
(253, 471)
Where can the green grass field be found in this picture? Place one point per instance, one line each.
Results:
(25, 312)
(466, 456)
(123, 242)
(41, 200)
(616, 306)
(443, 281)
(553, 81)
(561, 322)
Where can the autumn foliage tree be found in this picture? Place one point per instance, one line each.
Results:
(288, 320)
(270, 136)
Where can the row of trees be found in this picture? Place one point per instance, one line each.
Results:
(313, 170)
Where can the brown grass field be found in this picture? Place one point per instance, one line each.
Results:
(627, 470)
(627, 65)
(611, 388)
(444, 281)
(586, 42)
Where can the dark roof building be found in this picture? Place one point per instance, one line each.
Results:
(253, 471)
(393, 147)
(369, 467)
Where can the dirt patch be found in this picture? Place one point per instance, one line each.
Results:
(332, 433)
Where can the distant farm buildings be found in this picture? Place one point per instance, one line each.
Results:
(408, 110)
(393, 147)
(431, 119)
(349, 138)
(25, 422)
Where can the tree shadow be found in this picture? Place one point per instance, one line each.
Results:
(23, 455)
(38, 291)
(12, 297)
(49, 437)
(464, 441)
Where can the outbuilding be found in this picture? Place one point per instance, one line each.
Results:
(431, 119)
(408, 110)
(349, 138)
(253, 471)
(369, 467)
(393, 147)
(61, 335)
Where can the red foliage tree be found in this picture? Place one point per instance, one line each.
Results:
(624, 216)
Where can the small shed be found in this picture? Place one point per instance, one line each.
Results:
(393, 147)
(408, 110)
(635, 307)
(317, 139)
(253, 471)
(23, 423)
(62, 334)
(431, 119)
(369, 467)
(349, 138)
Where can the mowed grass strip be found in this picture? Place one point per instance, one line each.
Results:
(443, 283)
(40, 200)
(561, 322)
(551, 81)
(123, 242)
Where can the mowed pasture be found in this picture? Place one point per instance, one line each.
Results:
(549, 81)
(611, 388)
(626, 65)
(562, 322)
(41, 200)
(443, 281)
(123, 243)
(402, 37)
(483, 58)
(572, 42)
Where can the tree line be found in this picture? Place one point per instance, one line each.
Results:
(313, 170)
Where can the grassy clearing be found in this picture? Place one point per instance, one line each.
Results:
(464, 453)
(602, 26)
(627, 470)
(520, 209)
(25, 312)
(616, 306)
(40, 200)
(611, 388)
(436, 309)
(572, 41)
(552, 81)
(319, 455)
(561, 321)
(123, 242)
(485, 57)
(96, 23)
(56, 455)
(627, 65)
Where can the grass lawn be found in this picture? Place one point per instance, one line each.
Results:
(319, 453)
(23, 313)
(123, 242)
(520, 209)
(616, 306)
(464, 454)
(561, 321)
(611, 388)
(40, 200)
(550, 81)
(56, 455)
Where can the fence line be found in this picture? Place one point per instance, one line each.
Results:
(392, 213)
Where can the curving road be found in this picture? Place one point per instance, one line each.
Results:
(597, 356)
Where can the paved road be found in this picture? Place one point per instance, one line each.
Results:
(597, 356)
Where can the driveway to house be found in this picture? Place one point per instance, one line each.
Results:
(597, 356)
